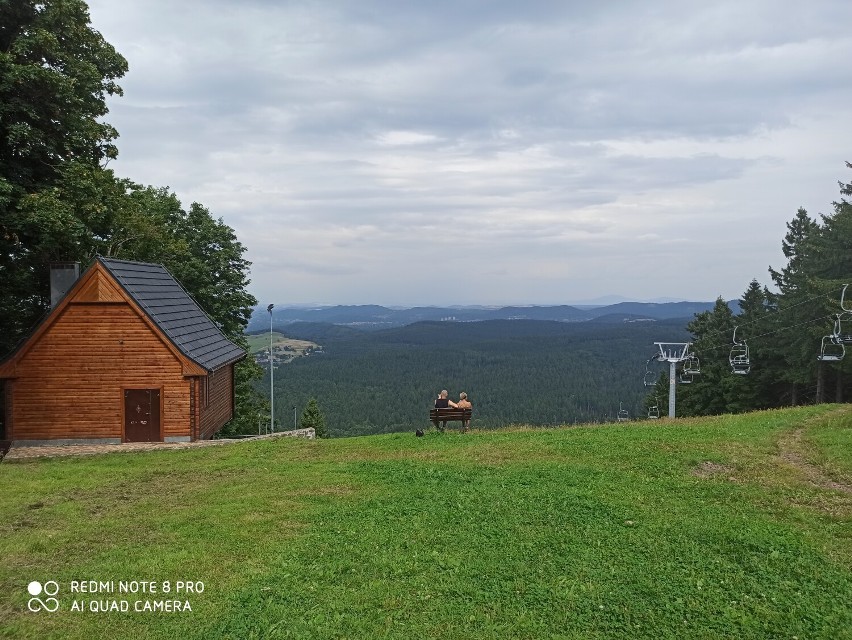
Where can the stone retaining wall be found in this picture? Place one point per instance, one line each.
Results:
(17, 452)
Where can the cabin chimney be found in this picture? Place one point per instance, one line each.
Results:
(63, 275)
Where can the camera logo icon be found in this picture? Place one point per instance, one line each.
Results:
(50, 589)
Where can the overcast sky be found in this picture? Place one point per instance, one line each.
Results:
(490, 152)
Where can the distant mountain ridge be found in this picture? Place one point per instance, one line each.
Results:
(372, 317)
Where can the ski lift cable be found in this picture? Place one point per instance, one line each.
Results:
(770, 333)
(775, 312)
(773, 315)
(726, 345)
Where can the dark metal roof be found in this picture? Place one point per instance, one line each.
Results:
(174, 311)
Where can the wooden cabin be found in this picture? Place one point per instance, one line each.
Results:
(126, 355)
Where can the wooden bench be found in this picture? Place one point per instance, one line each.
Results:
(443, 416)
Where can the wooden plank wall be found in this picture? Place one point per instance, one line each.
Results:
(7, 409)
(193, 408)
(70, 382)
(217, 407)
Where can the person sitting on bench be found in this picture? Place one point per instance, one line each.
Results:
(443, 402)
(464, 403)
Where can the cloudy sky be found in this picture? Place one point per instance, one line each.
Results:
(490, 152)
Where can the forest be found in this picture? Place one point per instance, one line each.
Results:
(793, 334)
(515, 371)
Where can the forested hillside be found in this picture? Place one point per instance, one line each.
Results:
(515, 371)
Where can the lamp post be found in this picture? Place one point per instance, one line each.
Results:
(271, 376)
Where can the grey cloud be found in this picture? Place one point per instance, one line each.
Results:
(547, 132)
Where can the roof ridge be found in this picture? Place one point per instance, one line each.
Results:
(147, 264)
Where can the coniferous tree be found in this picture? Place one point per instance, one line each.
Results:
(832, 270)
(759, 389)
(313, 418)
(795, 317)
(714, 390)
(783, 329)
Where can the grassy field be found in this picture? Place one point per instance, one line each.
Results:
(260, 342)
(726, 527)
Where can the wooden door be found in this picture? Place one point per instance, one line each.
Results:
(142, 415)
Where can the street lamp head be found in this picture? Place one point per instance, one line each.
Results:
(269, 308)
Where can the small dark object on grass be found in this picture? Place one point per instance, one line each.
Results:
(419, 433)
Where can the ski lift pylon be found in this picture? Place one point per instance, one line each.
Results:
(676, 353)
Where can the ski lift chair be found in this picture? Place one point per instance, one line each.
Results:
(691, 368)
(842, 330)
(832, 349)
(739, 361)
(691, 365)
(833, 346)
(739, 357)
(623, 414)
(651, 376)
(654, 410)
(843, 321)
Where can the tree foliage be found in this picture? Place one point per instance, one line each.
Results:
(55, 74)
(312, 418)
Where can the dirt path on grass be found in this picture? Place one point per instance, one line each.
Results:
(49, 451)
(791, 450)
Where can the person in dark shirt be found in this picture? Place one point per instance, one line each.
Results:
(443, 402)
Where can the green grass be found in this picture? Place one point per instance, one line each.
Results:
(714, 528)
